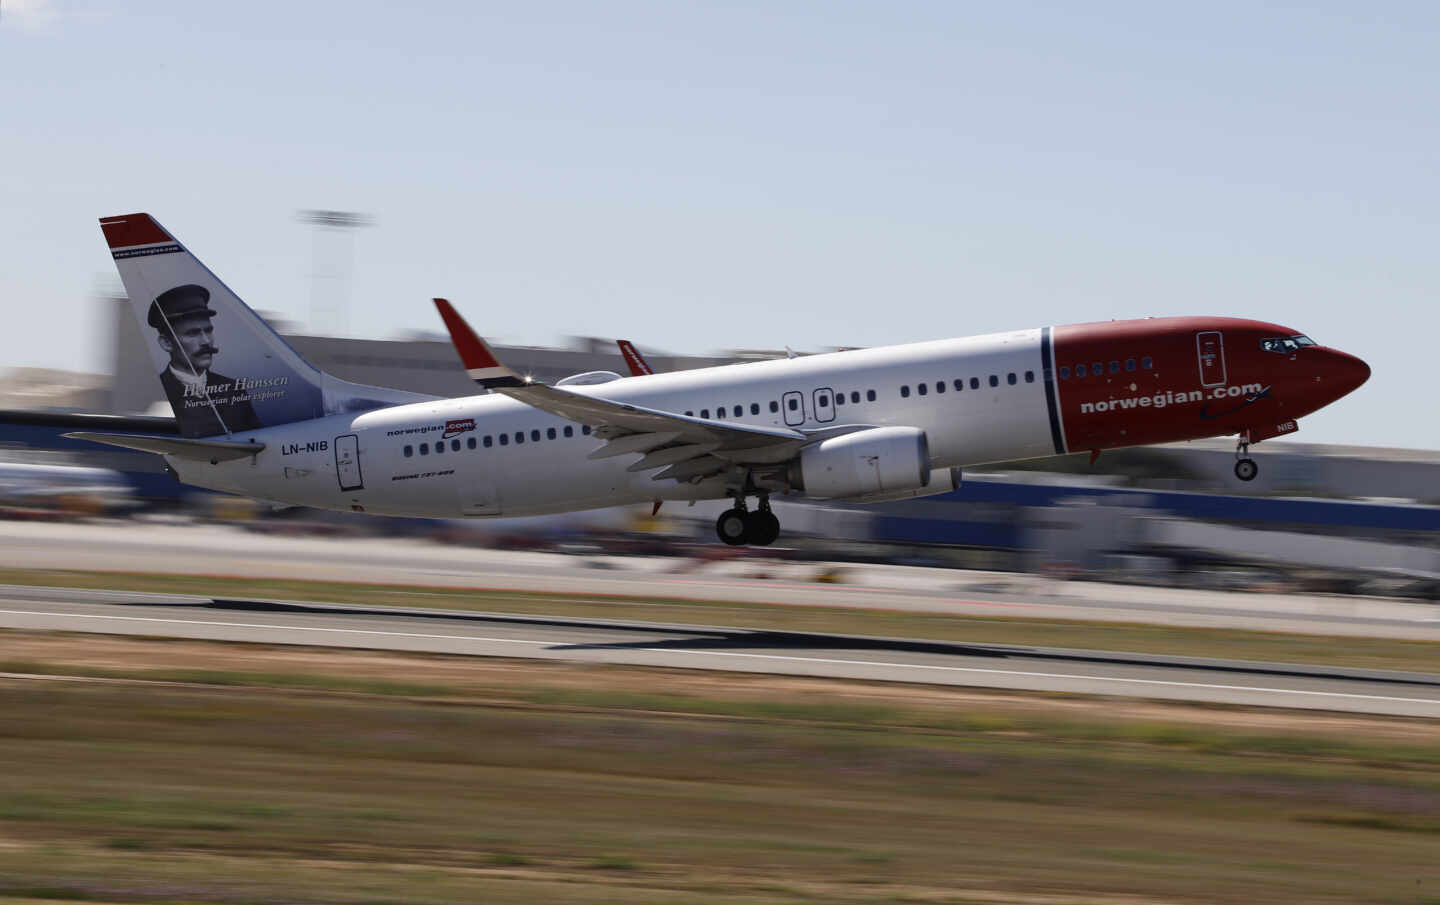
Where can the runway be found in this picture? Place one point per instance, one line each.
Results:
(208, 549)
(702, 647)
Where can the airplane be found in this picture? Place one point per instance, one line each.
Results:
(862, 426)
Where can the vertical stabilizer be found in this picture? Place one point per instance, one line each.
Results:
(223, 369)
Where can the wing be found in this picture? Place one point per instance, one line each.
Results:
(687, 448)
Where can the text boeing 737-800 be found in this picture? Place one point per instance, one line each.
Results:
(865, 425)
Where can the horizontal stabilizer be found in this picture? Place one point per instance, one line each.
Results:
(201, 450)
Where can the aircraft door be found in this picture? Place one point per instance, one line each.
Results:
(824, 404)
(347, 462)
(793, 404)
(1210, 346)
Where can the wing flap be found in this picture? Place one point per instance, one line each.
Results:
(672, 455)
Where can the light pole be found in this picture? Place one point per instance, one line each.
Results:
(333, 260)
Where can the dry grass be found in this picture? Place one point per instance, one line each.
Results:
(278, 775)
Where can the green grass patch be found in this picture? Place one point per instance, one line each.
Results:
(612, 862)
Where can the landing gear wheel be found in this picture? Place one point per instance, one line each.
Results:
(733, 527)
(1246, 469)
(762, 528)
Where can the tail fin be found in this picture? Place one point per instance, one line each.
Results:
(639, 367)
(197, 328)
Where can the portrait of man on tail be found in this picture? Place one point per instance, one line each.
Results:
(206, 404)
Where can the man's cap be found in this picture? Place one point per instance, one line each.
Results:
(182, 301)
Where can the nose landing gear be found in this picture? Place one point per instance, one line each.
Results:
(739, 526)
(1245, 467)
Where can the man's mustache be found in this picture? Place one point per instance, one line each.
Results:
(207, 349)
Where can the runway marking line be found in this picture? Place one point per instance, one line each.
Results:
(781, 657)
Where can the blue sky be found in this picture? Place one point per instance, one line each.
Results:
(705, 176)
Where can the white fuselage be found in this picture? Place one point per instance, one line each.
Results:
(390, 461)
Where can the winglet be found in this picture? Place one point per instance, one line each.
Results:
(480, 363)
(639, 367)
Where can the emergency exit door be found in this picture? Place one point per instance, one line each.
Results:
(347, 462)
(794, 405)
(1210, 347)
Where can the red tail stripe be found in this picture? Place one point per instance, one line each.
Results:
(639, 367)
(132, 229)
(473, 351)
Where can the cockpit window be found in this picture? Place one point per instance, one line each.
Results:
(1285, 345)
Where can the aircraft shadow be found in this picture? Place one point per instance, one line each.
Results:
(798, 641)
(740, 640)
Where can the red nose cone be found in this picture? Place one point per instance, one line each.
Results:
(1346, 372)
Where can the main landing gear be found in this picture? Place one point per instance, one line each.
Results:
(740, 526)
(1245, 467)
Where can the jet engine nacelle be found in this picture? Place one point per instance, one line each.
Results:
(867, 464)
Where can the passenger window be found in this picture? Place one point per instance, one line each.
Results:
(774, 406)
(822, 400)
(519, 437)
(424, 449)
(454, 445)
(905, 392)
(994, 381)
(720, 412)
(855, 397)
(549, 433)
(569, 431)
(1097, 368)
(738, 411)
(1065, 372)
(1147, 362)
(754, 408)
(585, 429)
(1010, 378)
(689, 414)
(1114, 367)
(870, 395)
(1079, 370)
(704, 413)
(794, 404)
(470, 442)
(1129, 364)
(440, 447)
(535, 435)
(974, 383)
(409, 451)
(489, 441)
(959, 384)
(839, 398)
(939, 386)
(1029, 376)
(504, 439)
